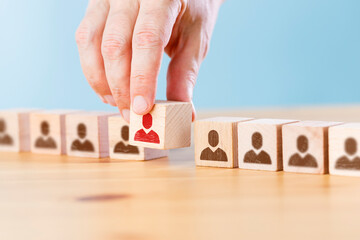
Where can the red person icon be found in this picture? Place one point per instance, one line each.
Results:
(142, 136)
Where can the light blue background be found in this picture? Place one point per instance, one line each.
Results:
(263, 53)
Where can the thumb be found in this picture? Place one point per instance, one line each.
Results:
(183, 71)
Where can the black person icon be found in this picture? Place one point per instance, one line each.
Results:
(121, 147)
(82, 144)
(45, 141)
(5, 139)
(252, 157)
(218, 154)
(297, 160)
(345, 162)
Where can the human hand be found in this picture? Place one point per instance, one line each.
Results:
(121, 43)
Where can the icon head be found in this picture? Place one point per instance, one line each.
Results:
(213, 138)
(350, 146)
(45, 129)
(302, 143)
(257, 140)
(2, 126)
(147, 121)
(125, 133)
(81, 130)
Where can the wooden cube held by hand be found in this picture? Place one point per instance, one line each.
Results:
(120, 148)
(167, 126)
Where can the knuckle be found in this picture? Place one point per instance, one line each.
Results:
(114, 45)
(148, 37)
(84, 35)
(97, 84)
(143, 82)
(121, 94)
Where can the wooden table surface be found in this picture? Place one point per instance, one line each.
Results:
(53, 197)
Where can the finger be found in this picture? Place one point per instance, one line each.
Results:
(88, 38)
(184, 68)
(116, 51)
(151, 34)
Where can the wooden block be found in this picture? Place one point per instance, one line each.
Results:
(344, 154)
(15, 130)
(87, 134)
(167, 126)
(48, 131)
(120, 148)
(260, 144)
(305, 146)
(216, 142)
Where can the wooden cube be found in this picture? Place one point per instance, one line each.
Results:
(216, 142)
(260, 144)
(48, 131)
(87, 134)
(167, 126)
(120, 148)
(344, 154)
(15, 130)
(305, 146)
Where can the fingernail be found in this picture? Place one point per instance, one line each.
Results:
(110, 100)
(139, 105)
(126, 114)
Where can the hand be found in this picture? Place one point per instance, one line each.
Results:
(121, 43)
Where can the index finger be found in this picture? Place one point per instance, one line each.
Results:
(151, 34)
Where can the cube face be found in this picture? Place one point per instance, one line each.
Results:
(119, 146)
(46, 137)
(167, 126)
(216, 142)
(9, 132)
(260, 145)
(344, 156)
(305, 147)
(82, 135)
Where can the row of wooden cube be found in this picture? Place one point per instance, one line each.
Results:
(97, 134)
(276, 144)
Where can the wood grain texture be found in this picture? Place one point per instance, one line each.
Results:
(305, 146)
(60, 197)
(260, 144)
(171, 122)
(344, 154)
(120, 148)
(15, 130)
(223, 152)
(87, 134)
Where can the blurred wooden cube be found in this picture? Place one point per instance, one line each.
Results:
(167, 126)
(120, 148)
(87, 134)
(305, 146)
(15, 130)
(344, 154)
(260, 144)
(48, 131)
(216, 141)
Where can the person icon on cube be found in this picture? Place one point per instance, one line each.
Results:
(5, 138)
(45, 141)
(252, 157)
(302, 161)
(121, 147)
(82, 144)
(146, 135)
(345, 162)
(209, 154)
